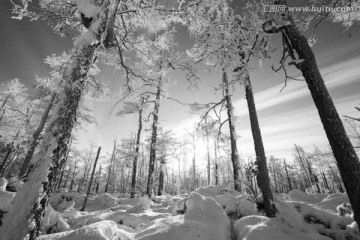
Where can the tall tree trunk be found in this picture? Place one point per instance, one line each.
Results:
(34, 142)
(216, 164)
(302, 164)
(98, 181)
(110, 169)
(194, 161)
(67, 178)
(208, 152)
(234, 152)
(345, 155)
(161, 177)
(73, 178)
(32, 197)
(287, 176)
(137, 148)
(150, 182)
(91, 179)
(262, 176)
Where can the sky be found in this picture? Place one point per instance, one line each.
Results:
(286, 117)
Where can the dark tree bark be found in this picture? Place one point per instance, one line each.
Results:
(216, 164)
(137, 148)
(345, 155)
(262, 176)
(73, 178)
(234, 151)
(91, 179)
(34, 142)
(150, 182)
(6, 160)
(110, 169)
(161, 177)
(287, 176)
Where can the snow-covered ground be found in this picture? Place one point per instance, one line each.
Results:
(212, 213)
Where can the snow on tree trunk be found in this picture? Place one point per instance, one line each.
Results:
(345, 155)
(137, 148)
(34, 142)
(152, 159)
(30, 201)
(262, 176)
(91, 179)
(234, 152)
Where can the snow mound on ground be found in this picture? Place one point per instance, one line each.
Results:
(212, 191)
(332, 201)
(14, 185)
(204, 219)
(300, 196)
(105, 230)
(53, 222)
(144, 204)
(6, 199)
(62, 201)
(241, 207)
(264, 228)
(225, 200)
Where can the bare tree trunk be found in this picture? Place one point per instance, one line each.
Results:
(34, 142)
(150, 182)
(234, 152)
(73, 178)
(33, 196)
(208, 152)
(5, 161)
(287, 176)
(345, 155)
(91, 179)
(263, 179)
(161, 177)
(216, 164)
(110, 167)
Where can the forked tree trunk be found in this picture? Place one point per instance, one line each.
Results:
(345, 155)
(262, 176)
(34, 142)
(137, 148)
(150, 182)
(30, 201)
(234, 152)
(91, 179)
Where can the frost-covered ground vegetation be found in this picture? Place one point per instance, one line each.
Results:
(216, 213)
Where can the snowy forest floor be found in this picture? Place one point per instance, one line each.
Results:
(211, 213)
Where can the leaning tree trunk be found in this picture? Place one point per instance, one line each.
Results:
(91, 179)
(30, 201)
(234, 152)
(34, 142)
(137, 148)
(345, 155)
(262, 176)
(152, 159)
